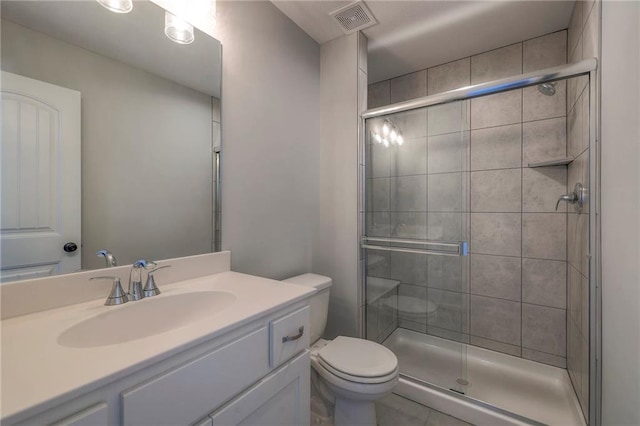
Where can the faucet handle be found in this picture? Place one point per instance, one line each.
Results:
(150, 288)
(117, 295)
(142, 263)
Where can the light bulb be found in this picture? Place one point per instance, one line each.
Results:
(400, 140)
(377, 137)
(385, 129)
(385, 142)
(178, 30)
(393, 136)
(117, 6)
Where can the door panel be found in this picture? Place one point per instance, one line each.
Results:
(40, 178)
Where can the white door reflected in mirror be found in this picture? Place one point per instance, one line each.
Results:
(40, 179)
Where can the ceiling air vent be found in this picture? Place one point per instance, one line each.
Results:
(353, 17)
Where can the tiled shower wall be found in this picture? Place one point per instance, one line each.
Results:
(515, 298)
(583, 41)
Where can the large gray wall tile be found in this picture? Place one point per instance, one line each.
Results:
(496, 233)
(575, 296)
(412, 124)
(378, 263)
(541, 188)
(408, 193)
(447, 273)
(449, 76)
(408, 225)
(378, 94)
(537, 106)
(452, 310)
(544, 52)
(448, 118)
(495, 346)
(555, 360)
(378, 194)
(496, 191)
(496, 276)
(575, 28)
(379, 224)
(544, 235)
(496, 110)
(410, 158)
(495, 319)
(544, 329)
(378, 160)
(447, 192)
(495, 64)
(544, 140)
(496, 147)
(544, 282)
(448, 152)
(409, 268)
(447, 226)
(409, 86)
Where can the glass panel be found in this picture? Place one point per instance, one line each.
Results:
(417, 180)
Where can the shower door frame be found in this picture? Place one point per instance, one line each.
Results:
(587, 67)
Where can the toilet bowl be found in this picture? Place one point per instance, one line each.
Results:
(348, 374)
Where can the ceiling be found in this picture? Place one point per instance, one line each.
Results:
(413, 35)
(136, 38)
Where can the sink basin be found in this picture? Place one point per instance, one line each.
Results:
(144, 318)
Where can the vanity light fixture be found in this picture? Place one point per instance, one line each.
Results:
(117, 6)
(178, 30)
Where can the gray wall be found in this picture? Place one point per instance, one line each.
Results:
(583, 43)
(136, 129)
(620, 213)
(515, 299)
(343, 96)
(270, 134)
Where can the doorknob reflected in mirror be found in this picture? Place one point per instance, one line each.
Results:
(70, 247)
(576, 197)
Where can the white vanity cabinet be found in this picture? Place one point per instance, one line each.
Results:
(257, 373)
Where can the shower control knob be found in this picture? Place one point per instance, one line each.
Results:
(70, 247)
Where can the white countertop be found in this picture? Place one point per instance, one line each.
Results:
(37, 370)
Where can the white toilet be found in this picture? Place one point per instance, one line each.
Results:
(348, 375)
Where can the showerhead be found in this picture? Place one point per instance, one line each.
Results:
(547, 89)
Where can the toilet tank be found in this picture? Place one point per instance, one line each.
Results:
(319, 302)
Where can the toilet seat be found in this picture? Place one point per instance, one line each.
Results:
(343, 357)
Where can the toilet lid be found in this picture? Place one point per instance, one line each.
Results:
(359, 357)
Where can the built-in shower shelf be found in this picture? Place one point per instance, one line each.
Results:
(556, 162)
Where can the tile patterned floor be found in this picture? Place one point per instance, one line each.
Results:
(397, 411)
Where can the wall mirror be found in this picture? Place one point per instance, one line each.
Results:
(109, 136)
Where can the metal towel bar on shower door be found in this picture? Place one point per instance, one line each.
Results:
(459, 248)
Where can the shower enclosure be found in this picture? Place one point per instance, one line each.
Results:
(482, 286)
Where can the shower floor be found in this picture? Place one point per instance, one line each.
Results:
(536, 391)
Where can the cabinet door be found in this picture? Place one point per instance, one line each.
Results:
(184, 395)
(93, 416)
(280, 399)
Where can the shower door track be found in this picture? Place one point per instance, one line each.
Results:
(489, 88)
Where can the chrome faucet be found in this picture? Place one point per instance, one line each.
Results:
(150, 288)
(135, 278)
(117, 295)
(577, 197)
(108, 258)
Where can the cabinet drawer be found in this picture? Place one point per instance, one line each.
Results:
(289, 335)
(281, 398)
(95, 415)
(182, 396)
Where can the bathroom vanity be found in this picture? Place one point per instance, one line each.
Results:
(223, 348)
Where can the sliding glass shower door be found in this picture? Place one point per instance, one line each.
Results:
(416, 229)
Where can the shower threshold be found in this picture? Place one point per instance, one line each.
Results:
(522, 391)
